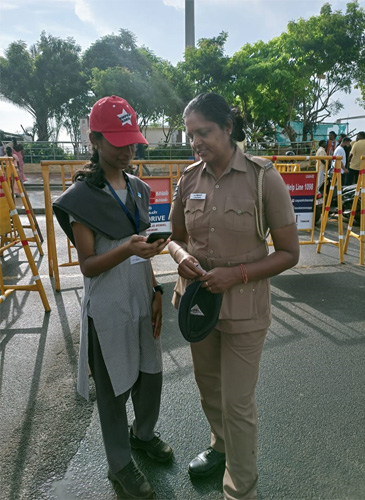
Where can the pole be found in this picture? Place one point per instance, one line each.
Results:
(189, 24)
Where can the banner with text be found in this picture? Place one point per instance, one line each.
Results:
(302, 190)
(160, 203)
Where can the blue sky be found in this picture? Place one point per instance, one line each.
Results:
(157, 24)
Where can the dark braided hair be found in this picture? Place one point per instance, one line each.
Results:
(238, 134)
(92, 171)
(215, 109)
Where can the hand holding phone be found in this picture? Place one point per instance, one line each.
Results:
(163, 235)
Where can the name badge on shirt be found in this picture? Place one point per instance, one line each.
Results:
(136, 260)
(198, 196)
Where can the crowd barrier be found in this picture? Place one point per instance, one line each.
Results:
(359, 196)
(294, 170)
(12, 231)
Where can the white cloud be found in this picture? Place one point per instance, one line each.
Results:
(8, 6)
(178, 4)
(84, 12)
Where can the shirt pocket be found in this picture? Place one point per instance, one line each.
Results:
(194, 211)
(240, 214)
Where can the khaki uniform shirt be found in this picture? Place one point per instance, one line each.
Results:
(321, 152)
(220, 217)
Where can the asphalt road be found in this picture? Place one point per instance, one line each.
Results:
(310, 394)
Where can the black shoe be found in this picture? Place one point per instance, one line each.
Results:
(155, 448)
(206, 463)
(132, 481)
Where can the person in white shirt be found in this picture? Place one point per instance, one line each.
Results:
(340, 151)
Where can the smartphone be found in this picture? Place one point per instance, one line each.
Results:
(158, 236)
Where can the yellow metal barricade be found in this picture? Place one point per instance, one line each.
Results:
(311, 164)
(336, 180)
(359, 195)
(296, 167)
(287, 167)
(12, 177)
(172, 169)
(6, 290)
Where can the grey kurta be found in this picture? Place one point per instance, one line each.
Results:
(120, 303)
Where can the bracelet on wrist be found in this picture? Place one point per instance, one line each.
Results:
(244, 274)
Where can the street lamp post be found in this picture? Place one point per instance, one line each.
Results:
(189, 24)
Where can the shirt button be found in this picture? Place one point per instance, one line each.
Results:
(239, 211)
(212, 229)
(214, 208)
(211, 252)
(241, 290)
(217, 186)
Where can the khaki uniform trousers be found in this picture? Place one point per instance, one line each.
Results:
(226, 367)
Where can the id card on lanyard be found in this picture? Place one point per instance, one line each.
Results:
(135, 222)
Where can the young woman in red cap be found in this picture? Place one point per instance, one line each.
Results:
(105, 213)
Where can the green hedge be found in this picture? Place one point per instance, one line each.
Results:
(169, 153)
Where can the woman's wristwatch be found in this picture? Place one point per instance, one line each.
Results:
(158, 288)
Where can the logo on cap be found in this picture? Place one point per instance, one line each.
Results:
(125, 117)
(196, 311)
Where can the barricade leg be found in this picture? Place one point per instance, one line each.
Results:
(360, 192)
(51, 239)
(336, 179)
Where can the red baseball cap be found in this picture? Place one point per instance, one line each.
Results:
(117, 121)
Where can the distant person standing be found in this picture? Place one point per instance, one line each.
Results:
(2, 148)
(19, 151)
(331, 143)
(357, 150)
(321, 151)
(347, 151)
(340, 151)
(346, 148)
(11, 154)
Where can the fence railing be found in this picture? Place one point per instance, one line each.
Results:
(35, 152)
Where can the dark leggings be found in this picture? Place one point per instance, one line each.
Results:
(146, 396)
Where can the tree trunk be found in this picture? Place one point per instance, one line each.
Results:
(42, 127)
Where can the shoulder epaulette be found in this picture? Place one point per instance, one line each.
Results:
(260, 161)
(192, 166)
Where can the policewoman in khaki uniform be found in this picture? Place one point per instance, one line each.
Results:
(222, 209)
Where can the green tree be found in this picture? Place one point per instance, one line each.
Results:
(259, 75)
(70, 114)
(326, 51)
(42, 78)
(117, 66)
(112, 51)
(297, 75)
(204, 68)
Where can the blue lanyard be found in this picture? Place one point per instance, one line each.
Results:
(135, 222)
